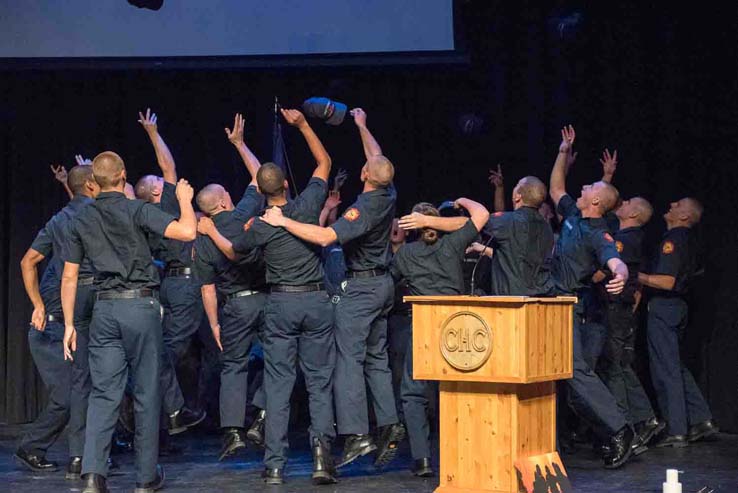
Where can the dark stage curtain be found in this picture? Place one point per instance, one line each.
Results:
(660, 86)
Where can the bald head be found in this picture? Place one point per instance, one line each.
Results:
(149, 188)
(694, 209)
(608, 196)
(211, 199)
(270, 179)
(531, 190)
(109, 170)
(644, 209)
(80, 179)
(378, 172)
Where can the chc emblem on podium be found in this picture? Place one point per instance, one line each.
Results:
(466, 341)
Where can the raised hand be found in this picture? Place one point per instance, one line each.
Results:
(235, 136)
(333, 200)
(359, 117)
(495, 177)
(340, 179)
(397, 235)
(568, 135)
(273, 216)
(416, 220)
(148, 121)
(609, 163)
(205, 226)
(82, 161)
(294, 117)
(184, 191)
(60, 173)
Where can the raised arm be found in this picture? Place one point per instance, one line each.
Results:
(184, 228)
(163, 156)
(479, 213)
(371, 147)
(60, 173)
(417, 220)
(316, 235)
(609, 165)
(29, 271)
(235, 137)
(497, 181)
(206, 227)
(322, 159)
(68, 297)
(557, 186)
(330, 209)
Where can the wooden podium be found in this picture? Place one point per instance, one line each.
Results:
(497, 359)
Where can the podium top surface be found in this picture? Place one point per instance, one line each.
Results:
(482, 300)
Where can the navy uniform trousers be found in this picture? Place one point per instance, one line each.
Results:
(679, 398)
(125, 336)
(589, 397)
(617, 363)
(241, 320)
(68, 384)
(362, 357)
(182, 303)
(399, 332)
(298, 326)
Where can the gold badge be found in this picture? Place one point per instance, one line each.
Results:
(667, 248)
(619, 246)
(466, 341)
(352, 214)
(248, 224)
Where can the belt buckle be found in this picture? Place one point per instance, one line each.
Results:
(335, 299)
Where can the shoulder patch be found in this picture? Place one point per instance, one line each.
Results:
(248, 224)
(608, 238)
(667, 248)
(497, 214)
(619, 246)
(352, 214)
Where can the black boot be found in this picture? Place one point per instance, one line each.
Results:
(233, 441)
(94, 483)
(620, 448)
(702, 430)
(184, 419)
(646, 430)
(151, 486)
(323, 469)
(255, 433)
(35, 463)
(356, 446)
(74, 469)
(272, 476)
(389, 438)
(422, 468)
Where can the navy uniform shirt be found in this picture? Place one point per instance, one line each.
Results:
(364, 230)
(171, 253)
(290, 261)
(522, 241)
(112, 234)
(629, 244)
(212, 267)
(584, 246)
(675, 258)
(435, 269)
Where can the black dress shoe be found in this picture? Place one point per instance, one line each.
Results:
(74, 469)
(673, 441)
(389, 438)
(422, 468)
(94, 483)
(184, 419)
(620, 448)
(356, 446)
(645, 431)
(233, 441)
(255, 433)
(151, 486)
(323, 469)
(273, 476)
(702, 430)
(35, 463)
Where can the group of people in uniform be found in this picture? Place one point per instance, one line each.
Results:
(323, 293)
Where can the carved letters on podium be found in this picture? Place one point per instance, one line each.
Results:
(466, 341)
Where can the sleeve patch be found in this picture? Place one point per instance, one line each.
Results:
(608, 238)
(352, 214)
(667, 248)
(619, 246)
(248, 224)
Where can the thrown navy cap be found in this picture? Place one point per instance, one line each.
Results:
(332, 112)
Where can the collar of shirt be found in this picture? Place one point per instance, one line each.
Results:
(628, 230)
(596, 222)
(676, 231)
(110, 195)
(221, 217)
(80, 200)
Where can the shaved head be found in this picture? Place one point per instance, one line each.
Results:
(379, 171)
(608, 196)
(532, 191)
(270, 179)
(78, 177)
(210, 198)
(149, 187)
(108, 169)
(695, 209)
(644, 208)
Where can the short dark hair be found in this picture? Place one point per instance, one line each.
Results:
(427, 235)
(78, 176)
(270, 179)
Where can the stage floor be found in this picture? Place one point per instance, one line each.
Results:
(196, 469)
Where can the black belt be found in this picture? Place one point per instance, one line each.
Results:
(305, 288)
(178, 272)
(364, 274)
(240, 294)
(85, 281)
(127, 294)
(53, 318)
